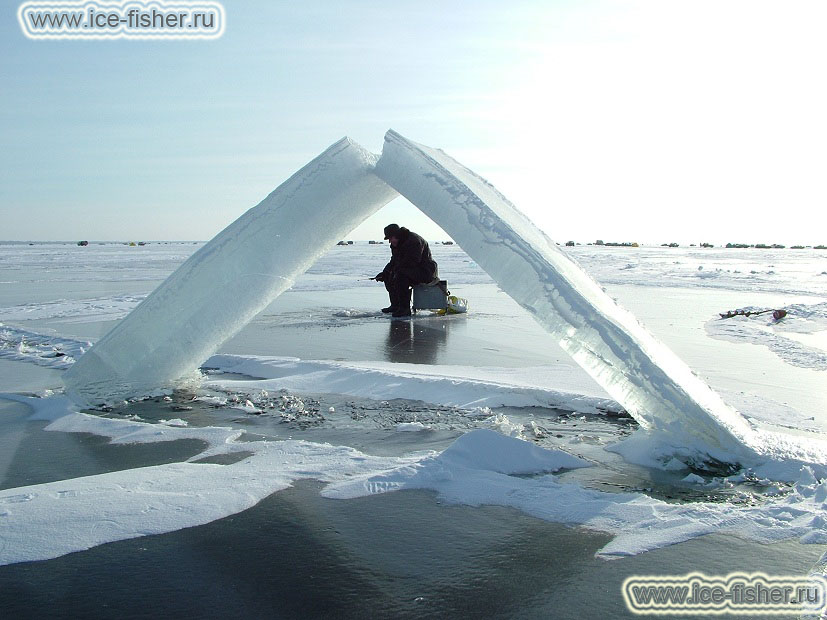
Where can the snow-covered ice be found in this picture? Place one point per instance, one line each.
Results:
(41, 349)
(793, 338)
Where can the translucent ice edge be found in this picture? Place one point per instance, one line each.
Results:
(460, 386)
(198, 307)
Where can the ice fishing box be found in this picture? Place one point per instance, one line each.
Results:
(431, 296)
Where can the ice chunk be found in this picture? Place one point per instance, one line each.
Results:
(221, 287)
(411, 427)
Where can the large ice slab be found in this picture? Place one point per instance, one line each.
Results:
(642, 374)
(233, 277)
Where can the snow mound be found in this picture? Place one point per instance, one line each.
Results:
(411, 427)
(487, 449)
(476, 467)
(352, 313)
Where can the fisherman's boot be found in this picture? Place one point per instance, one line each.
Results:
(404, 299)
(393, 297)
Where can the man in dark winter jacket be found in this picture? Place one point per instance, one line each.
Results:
(410, 264)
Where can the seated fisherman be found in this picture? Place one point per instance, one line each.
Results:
(410, 264)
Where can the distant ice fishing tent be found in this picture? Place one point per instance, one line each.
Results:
(189, 316)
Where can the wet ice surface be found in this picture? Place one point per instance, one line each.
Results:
(297, 554)
(388, 427)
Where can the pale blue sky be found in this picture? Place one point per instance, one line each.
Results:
(650, 120)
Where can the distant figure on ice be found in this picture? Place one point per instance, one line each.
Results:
(410, 264)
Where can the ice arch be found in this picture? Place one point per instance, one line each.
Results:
(233, 277)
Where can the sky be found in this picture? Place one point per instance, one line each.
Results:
(643, 120)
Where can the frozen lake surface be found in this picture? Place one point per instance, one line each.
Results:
(309, 419)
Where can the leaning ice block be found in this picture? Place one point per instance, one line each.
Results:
(232, 278)
(650, 381)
